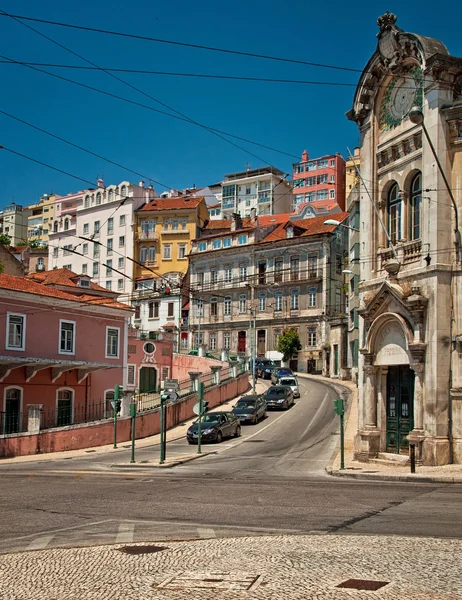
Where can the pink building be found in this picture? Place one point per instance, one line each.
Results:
(63, 346)
(320, 181)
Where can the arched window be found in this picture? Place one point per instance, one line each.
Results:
(64, 407)
(12, 410)
(123, 191)
(66, 224)
(278, 301)
(213, 307)
(394, 214)
(143, 253)
(242, 303)
(87, 201)
(98, 198)
(55, 226)
(414, 207)
(152, 253)
(110, 195)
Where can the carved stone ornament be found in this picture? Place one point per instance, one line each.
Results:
(388, 43)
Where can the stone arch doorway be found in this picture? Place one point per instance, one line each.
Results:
(390, 384)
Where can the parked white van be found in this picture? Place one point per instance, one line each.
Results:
(290, 382)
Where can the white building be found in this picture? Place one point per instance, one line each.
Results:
(93, 233)
(266, 190)
(13, 222)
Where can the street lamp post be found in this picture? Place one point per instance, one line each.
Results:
(336, 223)
(416, 116)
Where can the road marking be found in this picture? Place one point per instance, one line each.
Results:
(25, 537)
(206, 533)
(40, 543)
(125, 533)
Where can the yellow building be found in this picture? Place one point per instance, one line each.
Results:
(40, 219)
(351, 176)
(164, 230)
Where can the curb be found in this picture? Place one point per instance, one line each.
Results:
(384, 477)
(174, 463)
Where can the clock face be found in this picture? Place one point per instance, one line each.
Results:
(402, 97)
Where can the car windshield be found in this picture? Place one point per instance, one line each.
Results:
(288, 381)
(211, 418)
(274, 391)
(267, 363)
(245, 404)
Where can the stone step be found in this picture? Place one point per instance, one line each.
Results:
(385, 458)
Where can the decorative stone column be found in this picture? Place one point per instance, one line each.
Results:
(417, 435)
(126, 399)
(194, 380)
(370, 398)
(216, 375)
(33, 417)
(382, 394)
(201, 351)
(224, 355)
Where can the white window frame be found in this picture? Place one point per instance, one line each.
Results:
(164, 248)
(312, 297)
(117, 355)
(23, 332)
(74, 324)
(182, 250)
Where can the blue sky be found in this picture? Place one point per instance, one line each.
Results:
(288, 117)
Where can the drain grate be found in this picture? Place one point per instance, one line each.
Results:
(362, 584)
(223, 580)
(142, 549)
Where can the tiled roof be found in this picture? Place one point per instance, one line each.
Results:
(62, 277)
(100, 301)
(18, 248)
(24, 284)
(262, 220)
(173, 203)
(314, 226)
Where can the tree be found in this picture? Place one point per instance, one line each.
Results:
(289, 344)
(5, 240)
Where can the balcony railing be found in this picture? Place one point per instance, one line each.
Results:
(148, 235)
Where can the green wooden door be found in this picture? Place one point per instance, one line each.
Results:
(400, 408)
(148, 379)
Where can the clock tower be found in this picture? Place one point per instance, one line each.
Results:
(410, 366)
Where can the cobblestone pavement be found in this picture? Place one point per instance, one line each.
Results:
(282, 567)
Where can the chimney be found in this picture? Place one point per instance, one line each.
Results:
(236, 222)
(305, 156)
(100, 183)
(141, 184)
(150, 186)
(253, 217)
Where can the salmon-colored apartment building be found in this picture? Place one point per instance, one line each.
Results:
(319, 181)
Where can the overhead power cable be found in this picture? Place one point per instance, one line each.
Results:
(61, 139)
(133, 87)
(146, 106)
(185, 44)
(199, 75)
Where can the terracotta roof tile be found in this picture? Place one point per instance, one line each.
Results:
(25, 284)
(63, 277)
(173, 203)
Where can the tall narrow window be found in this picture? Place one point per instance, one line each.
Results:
(143, 254)
(228, 273)
(227, 306)
(394, 214)
(262, 302)
(294, 268)
(152, 253)
(16, 332)
(242, 303)
(294, 294)
(67, 337)
(278, 301)
(213, 307)
(278, 267)
(416, 198)
(312, 297)
(112, 342)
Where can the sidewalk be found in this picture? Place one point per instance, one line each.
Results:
(176, 433)
(297, 567)
(377, 469)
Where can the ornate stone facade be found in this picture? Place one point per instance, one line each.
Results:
(410, 377)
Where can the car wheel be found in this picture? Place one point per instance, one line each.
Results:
(237, 433)
(219, 437)
(255, 420)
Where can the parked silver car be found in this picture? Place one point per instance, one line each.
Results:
(292, 383)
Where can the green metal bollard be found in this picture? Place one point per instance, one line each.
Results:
(340, 411)
(117, 391)
(200, 395)
(133, 416)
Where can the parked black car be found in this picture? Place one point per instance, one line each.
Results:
(265, 368)
(279, 396)
(278, 373)
(214, 427)
(250, 409)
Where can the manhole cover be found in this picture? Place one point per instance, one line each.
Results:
(362, 584)
(142, 549)
(243, 582)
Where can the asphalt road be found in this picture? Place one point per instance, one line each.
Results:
(271, 480)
